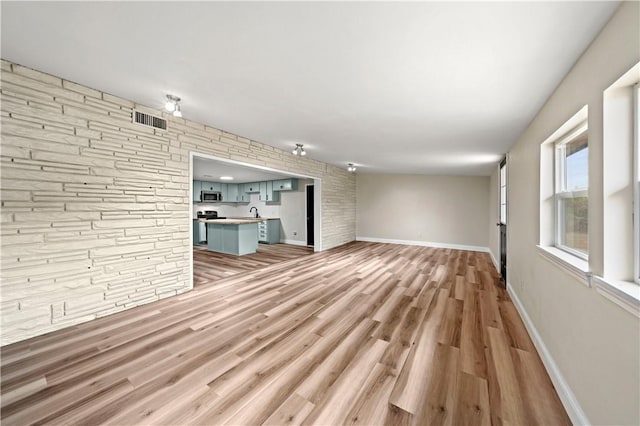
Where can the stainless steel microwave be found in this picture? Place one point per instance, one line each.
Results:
(210, 196)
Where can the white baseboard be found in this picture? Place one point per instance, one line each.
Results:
(568, 399)
(424, 244)
(294, 242)
(495, 262)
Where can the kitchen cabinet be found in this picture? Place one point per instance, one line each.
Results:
(224, 192)
(197, 187)
(199, 232)
(266, 192)
(252, 187)
(285, 185)
(243, 196)
(269, 231)
(211, 186)
(237, 239)
(232, 193)
(241, 192)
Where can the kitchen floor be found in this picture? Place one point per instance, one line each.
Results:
(366, 334)
(209, 266)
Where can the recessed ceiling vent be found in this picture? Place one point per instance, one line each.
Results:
(149, 120)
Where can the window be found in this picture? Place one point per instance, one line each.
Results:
(564, 183)
(571, 192)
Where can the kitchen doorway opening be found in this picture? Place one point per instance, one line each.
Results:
(245, 217)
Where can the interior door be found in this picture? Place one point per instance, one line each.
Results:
(502, 223)
(310, 224)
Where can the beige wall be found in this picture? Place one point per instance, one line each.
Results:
(96, 210)
(595, 343)
(435, 209)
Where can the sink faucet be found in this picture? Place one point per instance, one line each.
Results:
(251, 209)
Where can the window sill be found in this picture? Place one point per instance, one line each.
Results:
(623, 293)
(577, 267)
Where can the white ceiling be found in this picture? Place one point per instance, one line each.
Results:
(434, 88)
(211, 170)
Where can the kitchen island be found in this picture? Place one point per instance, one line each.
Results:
(233, 236)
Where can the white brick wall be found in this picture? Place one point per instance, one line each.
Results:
(95, 209)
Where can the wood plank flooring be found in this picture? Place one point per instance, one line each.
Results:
(209, 266)
(364, 334)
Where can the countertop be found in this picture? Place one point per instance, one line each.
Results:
(250, 217)
(237, 220)
(242, 221)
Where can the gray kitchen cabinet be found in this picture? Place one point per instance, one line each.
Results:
(241, 192)
(266, 192)
(232, 193)
(269, 231)
(211, 186)
(285, 185)
(243, 196)
(237, 239)
(199, 232)
(197, 187)
(224, 192)
(252, 187)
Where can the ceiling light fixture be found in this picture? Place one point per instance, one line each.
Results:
(351, 167)
(299, 150)
(226, 177)
(172, 105)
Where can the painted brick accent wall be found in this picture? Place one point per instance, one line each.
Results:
(95, 209)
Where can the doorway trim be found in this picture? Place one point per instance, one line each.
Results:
(317, 195)
(503, 215)
(315, 209)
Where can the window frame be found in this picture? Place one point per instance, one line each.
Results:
(503, 166)
(636, 182)
(560, 192)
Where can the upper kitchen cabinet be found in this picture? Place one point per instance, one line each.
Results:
(197, 187)
(211, 186)
(224, 192)
(285, 185)
(266, 192)
(241, 192)
(252, 187)
(231, 195)
(243, 197)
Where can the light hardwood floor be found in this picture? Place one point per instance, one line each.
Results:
(363, 334)
(209, 266)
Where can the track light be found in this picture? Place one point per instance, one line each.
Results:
(351, 167)
(299, 150)
(177, 112)
(172, 105)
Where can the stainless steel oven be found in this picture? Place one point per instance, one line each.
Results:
(203, 228)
